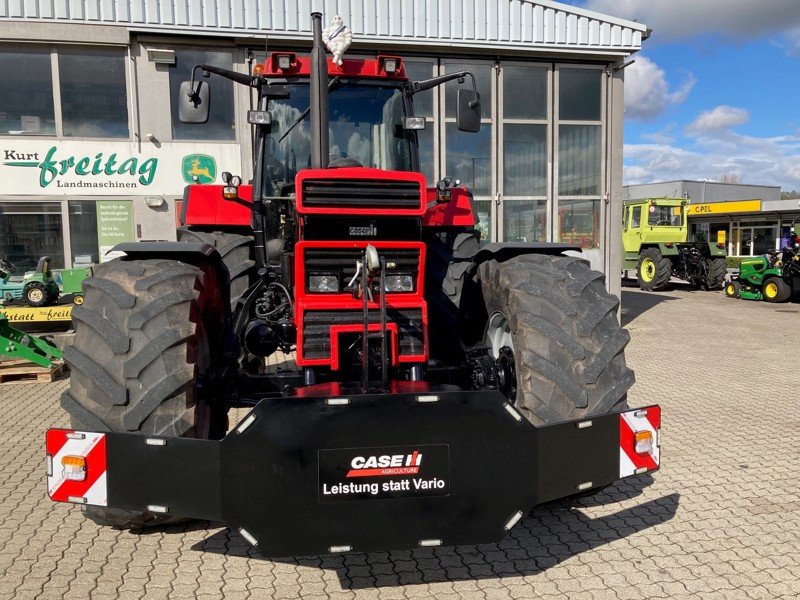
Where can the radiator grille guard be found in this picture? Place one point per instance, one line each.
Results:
(317, 330)
(342, 261)
(361, 193)
(297, 476)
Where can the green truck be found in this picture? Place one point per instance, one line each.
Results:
(655, 244)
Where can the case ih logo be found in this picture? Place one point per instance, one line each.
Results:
(385, 465)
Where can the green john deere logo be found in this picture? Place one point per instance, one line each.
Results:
(199, 168)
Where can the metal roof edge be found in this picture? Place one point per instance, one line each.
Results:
(576, 10)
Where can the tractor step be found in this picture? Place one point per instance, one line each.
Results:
(317, 475)
(23, 371)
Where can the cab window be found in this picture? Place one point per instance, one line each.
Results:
(636, 217)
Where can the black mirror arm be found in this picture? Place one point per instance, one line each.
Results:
(241, 78)
(426, 84)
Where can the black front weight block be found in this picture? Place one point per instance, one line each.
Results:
(368, 472)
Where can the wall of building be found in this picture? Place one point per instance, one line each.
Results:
(546, 168)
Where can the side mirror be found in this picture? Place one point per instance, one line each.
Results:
(194, 102)
(468, 112)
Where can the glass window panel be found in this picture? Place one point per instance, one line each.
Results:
(26, 95)
(636, 219)
(525, 92)
(484, 208)
(94, 102)
(483, 79)
(579, 94)
(579, 222)
(426, 161)
(83, 232)
(525, 220)
(525, 160)
(665, 215)
(30, 230)
(764, 239)
(469, 158)
(417, 71)
(579, 160)
(221, 124)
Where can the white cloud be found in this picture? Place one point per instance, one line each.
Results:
(647, 93)
(792, 42)
(720, 118)
(738, 19)
(768, 161)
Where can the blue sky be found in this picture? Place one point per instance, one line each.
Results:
(715, 92)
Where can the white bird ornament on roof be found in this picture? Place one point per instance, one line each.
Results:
(337, 37)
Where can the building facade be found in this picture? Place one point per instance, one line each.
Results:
(92, 152)
(751, 219)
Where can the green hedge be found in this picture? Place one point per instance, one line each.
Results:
(734, 261)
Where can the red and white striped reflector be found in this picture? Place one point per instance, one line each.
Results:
(62, 443)
(631, 423)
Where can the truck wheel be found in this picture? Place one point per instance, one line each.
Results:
(553, 330)
(236, 252)
(776, 290)
(717, 268)
(36, 294)
(733, 289)
(653, 270)
(144, 334)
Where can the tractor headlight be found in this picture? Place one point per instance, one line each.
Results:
(323, 283)
(401, 282)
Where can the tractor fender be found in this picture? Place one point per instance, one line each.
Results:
(203, 256)
(715, 251)
(664, 249)
(503, 251)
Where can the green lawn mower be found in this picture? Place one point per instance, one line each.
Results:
(772, 277)
(35, 288)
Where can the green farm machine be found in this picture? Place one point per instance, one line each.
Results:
(772, 277)
(41, 287)
(655, 244)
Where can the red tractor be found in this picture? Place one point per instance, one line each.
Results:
(440, 389)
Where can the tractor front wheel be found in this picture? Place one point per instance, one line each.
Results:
(147, 330)
(717, 268)
(776, 290)
(733, 289)
(553, 331)
(653, 270)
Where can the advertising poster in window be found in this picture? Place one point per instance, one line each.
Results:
(114, 226)
(70, 168)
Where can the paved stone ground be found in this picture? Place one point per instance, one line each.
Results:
(720, 520)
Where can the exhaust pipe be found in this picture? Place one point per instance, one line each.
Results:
(320, 148)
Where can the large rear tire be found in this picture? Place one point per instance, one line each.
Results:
(653, 270)
(236, 252)
(776, 290)
(567, 347)
(146, 331)
(717, 268)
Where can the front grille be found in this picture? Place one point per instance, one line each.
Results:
(342, 261)
(361, 193)
(317, 325)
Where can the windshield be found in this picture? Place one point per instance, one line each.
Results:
(366, 125)
(665, 215)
